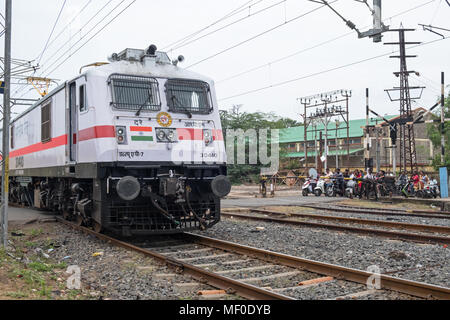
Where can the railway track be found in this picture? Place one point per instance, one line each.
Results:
(255, 273)
(301, 219)
(395, 209)
(378, 211)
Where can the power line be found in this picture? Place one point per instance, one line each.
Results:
(109, 22)
(53, 29)
(313, 47)
(229, 25)
(285, 57)
(324, 71)
(61, 47)
(94, 16)
(68, 24)
(228, 15)
(256, 36)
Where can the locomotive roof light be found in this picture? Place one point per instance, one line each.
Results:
(179, 59)
(151, 50)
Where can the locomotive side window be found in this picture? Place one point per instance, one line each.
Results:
(188, 96)
(46, 122)
(135, 93)
(82, 93)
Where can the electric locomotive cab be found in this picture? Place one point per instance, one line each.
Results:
(168, 168)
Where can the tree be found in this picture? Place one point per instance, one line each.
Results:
(236, 119)
(434, 133)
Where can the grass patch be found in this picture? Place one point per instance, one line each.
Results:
(36, 232)
(17, 294)
(46, 267)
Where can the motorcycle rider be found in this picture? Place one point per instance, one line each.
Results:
(327, 177)
(339, 179)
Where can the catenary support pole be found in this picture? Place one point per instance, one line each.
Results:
(442, 119)
(6, 119)
(367, 150)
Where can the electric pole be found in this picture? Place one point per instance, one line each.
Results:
(6, 119)
(442, 119)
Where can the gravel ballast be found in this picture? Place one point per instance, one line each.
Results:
(429, 262)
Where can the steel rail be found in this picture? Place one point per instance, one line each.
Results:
(215, 280)
(391, 224)
(374, 211)
(384, 233)
(397, 210)
(414, 288)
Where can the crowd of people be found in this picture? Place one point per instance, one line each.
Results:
(375, 183)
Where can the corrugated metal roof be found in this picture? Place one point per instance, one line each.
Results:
(295, 134)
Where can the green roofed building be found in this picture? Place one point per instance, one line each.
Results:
(293, 144)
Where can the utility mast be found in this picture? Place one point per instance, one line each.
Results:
(408, 154)
(6, 118)
(378, 26)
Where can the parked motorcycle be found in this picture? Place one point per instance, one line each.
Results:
(309, 186)
(350, 188)
(434, 188)
(334, 189)
(320, 188)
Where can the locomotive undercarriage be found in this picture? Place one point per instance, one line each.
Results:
(131, 201)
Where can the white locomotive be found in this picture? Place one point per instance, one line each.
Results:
(134, 147)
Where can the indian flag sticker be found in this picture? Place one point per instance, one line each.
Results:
(141, 133)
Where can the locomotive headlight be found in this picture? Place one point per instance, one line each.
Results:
(166, 135)
(121, 134)
(207, 136)
(160, 134)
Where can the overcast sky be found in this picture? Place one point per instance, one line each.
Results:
(164, 22)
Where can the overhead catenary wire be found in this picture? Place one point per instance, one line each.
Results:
(228, 15)
(93, 36)
(257, 36)
(64, 44)
(51, 33)
(90, 30)
(68, 50)
(229, 25)
(323, 71)
(314, 46)
(68, 24)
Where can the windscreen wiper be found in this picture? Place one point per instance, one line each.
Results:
(176, 101)
(143, 105)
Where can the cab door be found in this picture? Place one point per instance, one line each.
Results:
(77, 105)
(73, 123)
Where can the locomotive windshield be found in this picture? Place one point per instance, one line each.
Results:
(135, 93)
(188, 96)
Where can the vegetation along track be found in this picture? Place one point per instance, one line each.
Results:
(299, 272)
(343, 225)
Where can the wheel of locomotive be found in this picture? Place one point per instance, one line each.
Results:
(66, 215)
(317, 192)
(97, 226)
(79, 220)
